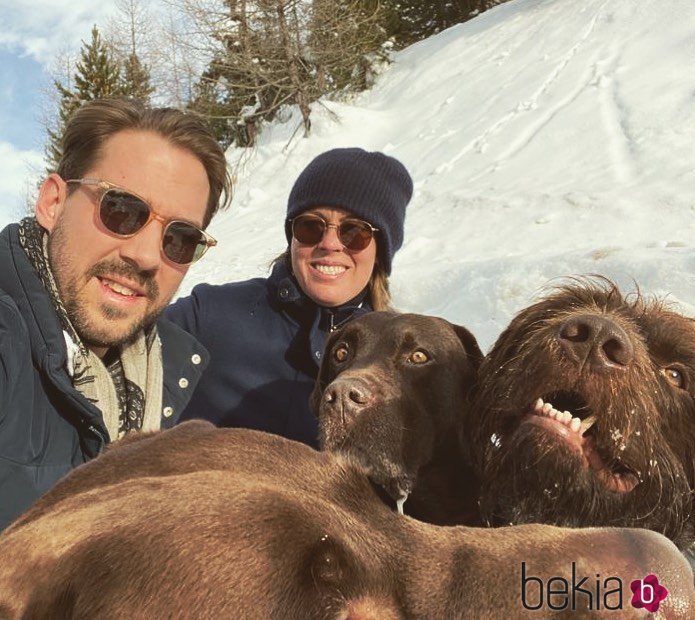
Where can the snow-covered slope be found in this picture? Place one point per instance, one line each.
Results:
(546, 138)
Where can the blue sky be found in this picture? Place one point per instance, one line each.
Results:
(32, 35)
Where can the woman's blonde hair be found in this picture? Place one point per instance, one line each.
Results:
(379, 294)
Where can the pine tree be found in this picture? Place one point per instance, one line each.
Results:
(96, 76)
(408, 21)
(272, 53)
(135, 80)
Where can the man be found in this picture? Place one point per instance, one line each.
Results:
(83, 357)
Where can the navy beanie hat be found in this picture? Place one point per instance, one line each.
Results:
(371, 186)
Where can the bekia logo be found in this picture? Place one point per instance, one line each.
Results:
(648, 593)
(586, 593)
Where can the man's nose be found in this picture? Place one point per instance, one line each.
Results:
(144, 248)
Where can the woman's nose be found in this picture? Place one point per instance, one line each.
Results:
(330, 239)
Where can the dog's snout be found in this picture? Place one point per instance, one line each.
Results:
(350, 394)
(596, 340)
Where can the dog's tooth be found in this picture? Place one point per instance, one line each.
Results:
(587, 423)
(575, 424)
(547, 408)
(539, 405)
(566, 417)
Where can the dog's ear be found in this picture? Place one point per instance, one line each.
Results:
(323, 379)
(470, 344)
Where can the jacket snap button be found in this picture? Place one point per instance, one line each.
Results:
(183, 382)
(284, 293)
(167, 412)
(318, 355)
(195, 358)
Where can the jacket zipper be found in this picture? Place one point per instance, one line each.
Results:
(102, 441)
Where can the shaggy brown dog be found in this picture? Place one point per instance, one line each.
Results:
(392, 392)
(198, 522)
(585, 414)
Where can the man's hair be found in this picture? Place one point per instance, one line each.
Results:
(96, 121)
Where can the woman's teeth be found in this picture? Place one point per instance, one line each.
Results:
(330, 270)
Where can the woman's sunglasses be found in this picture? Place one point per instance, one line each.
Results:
(354, 234)
(124, 214)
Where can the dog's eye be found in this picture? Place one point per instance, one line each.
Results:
(340, 354)
(674, 376)
(418, 357)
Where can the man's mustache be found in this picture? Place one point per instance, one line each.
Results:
(115, 268)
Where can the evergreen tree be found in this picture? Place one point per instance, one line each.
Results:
(270, 53)
(135, 80)
(409, 21)
(96, 76)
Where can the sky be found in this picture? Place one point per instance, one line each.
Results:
(546, 138)
(33, 33)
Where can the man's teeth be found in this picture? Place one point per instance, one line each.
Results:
(576, 425)
(330, 270)
(119, 288)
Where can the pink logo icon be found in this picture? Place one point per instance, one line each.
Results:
(648, 593)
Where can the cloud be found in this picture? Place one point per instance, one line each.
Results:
(43, 28)
(18, 174)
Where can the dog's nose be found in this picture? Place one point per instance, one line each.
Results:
(349, 394)
(596, 340)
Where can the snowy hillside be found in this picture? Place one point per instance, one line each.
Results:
(546, 138)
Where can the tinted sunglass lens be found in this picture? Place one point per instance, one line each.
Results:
(308, 230)
(183, 243)
(122, 213)
(355, 235)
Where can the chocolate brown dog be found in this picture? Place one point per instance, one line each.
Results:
(585, 414)
(199, 522)
(392, 392)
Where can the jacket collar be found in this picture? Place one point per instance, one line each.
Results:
(19, 279)
(320, 321)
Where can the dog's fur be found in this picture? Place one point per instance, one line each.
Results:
(396, 403)
(220, 523)
(628, 361)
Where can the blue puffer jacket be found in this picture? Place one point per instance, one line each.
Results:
(46, 426)
(265, 339)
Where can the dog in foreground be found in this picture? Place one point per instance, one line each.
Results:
(199, 522)
(585, 414)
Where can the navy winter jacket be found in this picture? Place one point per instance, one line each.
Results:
(265, 339)
(46, 426)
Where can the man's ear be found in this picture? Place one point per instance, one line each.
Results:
(51, 201)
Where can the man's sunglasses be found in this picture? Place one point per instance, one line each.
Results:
(354, 234)
(125, 214)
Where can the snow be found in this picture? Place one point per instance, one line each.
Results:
(546, 139)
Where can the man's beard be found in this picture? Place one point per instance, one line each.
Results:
(94, 331)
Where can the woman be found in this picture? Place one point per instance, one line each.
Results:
(344, 223)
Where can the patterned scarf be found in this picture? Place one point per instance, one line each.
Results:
(128, 390)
